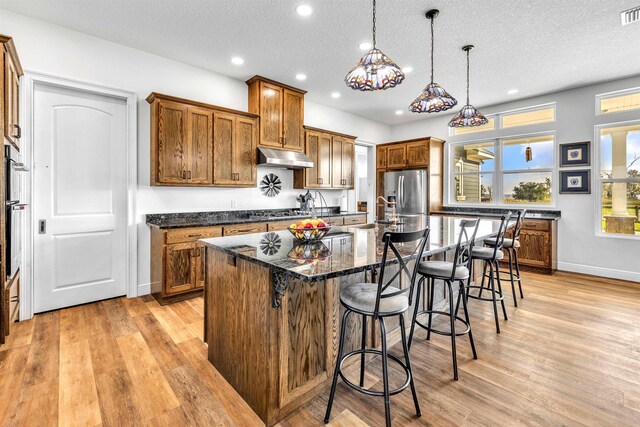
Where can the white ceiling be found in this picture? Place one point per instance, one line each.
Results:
(536, 46)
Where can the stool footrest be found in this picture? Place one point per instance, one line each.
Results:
(438, 331)
(374, 392)
(499, 298)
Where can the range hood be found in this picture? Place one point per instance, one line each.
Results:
(283, 159)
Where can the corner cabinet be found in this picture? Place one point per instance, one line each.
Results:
(281, 108)
(422, 153)
(333, 156)
(192, 142)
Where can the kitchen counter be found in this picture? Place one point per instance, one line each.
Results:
(543, 214)
(272, 308)
(205, 219)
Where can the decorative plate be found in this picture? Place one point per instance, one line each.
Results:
(270, 244)
(270, 185)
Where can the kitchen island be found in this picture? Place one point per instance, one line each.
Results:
(272, 309)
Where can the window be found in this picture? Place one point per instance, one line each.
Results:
(533, 116)
(619, 180)
(490, 125)
(504, 171)
(619, 101)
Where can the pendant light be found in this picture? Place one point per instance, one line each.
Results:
(468, 115)
(433, 98)
(375, 70)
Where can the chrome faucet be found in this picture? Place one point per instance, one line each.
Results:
(393, 220)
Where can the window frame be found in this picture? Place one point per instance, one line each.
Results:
(498, 173)
(617, 93)
(549, 105)
(597, 181)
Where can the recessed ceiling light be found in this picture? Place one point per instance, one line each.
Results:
(399, 112)
(512, 91)
(237, 60)
(301, 76)
(364, 46)
(335, 94)
(304, 10)
(407, 70)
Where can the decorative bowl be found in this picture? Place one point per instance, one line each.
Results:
(309, 234)
(308, 252)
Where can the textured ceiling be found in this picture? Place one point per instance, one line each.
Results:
(536, 46)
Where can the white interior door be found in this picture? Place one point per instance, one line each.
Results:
(79, 197)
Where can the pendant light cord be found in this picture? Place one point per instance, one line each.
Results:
(374, 24)
(432, 49)
(468, 76)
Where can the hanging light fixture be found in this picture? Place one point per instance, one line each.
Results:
(433, 98)
(468, 115)
(375, 70)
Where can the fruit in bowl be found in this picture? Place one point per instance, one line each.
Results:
(309, 252)
(309, 229)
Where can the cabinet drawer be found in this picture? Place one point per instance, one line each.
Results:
(279, 225)
(339, 221)
(234, 230)
(533, 224)
(355, 219)
(186, 235)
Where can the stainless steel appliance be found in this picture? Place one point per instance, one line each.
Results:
(409, 190)
(13, 209)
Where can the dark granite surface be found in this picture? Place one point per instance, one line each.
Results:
(204, 219)
(345, 250)
(548, 214)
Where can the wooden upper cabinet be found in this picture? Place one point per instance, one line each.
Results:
(397, 156)
(337, 147)
(343, 159)
(172, 147)
(417, 154)
(196, 144)
(318, 149)
(12, 70)
(281, 110)
(381, 157)
(292, 125)
(349, 163)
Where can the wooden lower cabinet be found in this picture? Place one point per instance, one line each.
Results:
(538, 246)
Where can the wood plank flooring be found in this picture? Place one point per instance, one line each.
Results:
(568, 355)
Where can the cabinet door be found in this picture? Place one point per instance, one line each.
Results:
(223, 141)
(173, 151)
(337, 148)
(311, 175)
(293, 120)
(179, 268)
(12, 101)
(244, 151)
(396, 156)
(417, 154)
(348, 163)
(535, 249)
(270, 115)
(324, 160)
(381, 157)
(199, 265)
(200, 132)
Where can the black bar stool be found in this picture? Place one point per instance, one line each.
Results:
(511, 245)
(379, 301)
(491, 256)
(450, 272)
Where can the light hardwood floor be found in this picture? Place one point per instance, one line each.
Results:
(569, 355)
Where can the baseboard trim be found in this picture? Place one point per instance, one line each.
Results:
(144, 289)
(599, 271)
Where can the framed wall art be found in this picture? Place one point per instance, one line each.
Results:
(575, 154)
(575, 181)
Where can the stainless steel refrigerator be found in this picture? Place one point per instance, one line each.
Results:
(409, 190)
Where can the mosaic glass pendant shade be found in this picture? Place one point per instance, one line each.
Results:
(374, 71)
(468, 115)
(433, 98)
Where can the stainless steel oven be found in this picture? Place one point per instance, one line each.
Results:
(14, 208)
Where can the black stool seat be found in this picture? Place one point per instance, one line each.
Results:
(508, 243)
(442, 270)
(361, 297)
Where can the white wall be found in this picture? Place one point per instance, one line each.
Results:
(61, 52)
(579, 248)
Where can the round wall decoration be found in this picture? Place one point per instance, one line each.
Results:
(270, 185)
(270, 244)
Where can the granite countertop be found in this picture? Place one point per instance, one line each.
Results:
(345, 250)
(546, 214)
(205, 219)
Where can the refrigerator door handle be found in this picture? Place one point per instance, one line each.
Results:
(401, 201)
